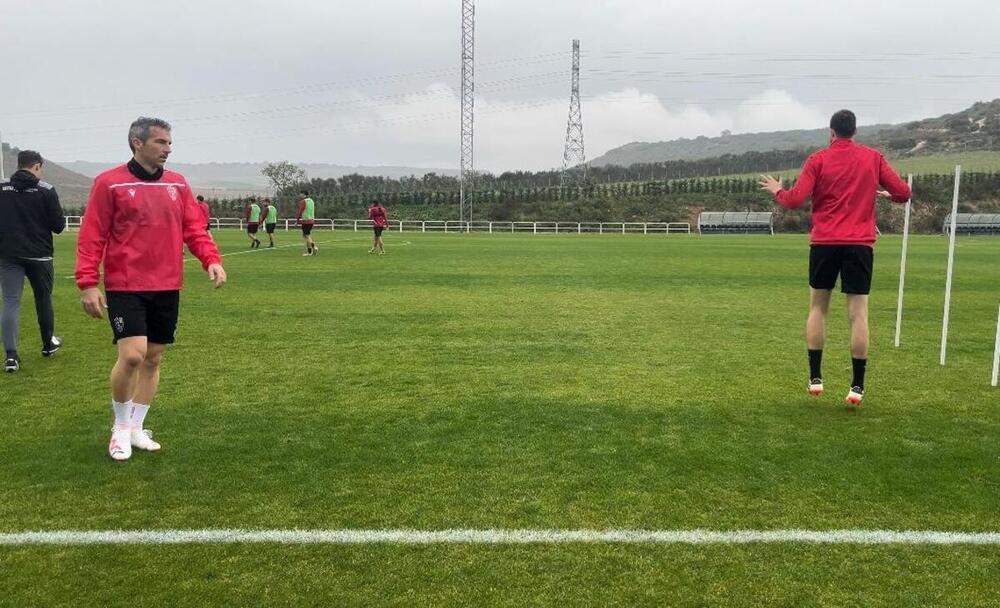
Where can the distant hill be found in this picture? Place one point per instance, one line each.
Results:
(71, 186)
(246, 177)
(975, 128)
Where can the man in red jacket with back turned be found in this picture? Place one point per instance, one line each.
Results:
(137, 219)
(843, 181)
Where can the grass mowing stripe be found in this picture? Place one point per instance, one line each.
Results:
(498, 537)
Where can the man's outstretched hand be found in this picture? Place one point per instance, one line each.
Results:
(770, 184)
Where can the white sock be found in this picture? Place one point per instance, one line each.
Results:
(123, 413)
(138, 414)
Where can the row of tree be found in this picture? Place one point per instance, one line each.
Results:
(649, 201)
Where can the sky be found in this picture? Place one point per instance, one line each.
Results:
(378, 82)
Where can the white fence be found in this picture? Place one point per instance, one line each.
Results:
(219, 223)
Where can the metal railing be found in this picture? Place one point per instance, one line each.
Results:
(222, 223)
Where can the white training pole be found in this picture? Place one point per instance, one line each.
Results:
(951, 265)
(996, 352)
(902, 260)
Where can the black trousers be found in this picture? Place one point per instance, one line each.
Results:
(40, 275)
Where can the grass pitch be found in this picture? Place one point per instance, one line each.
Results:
(477, 381)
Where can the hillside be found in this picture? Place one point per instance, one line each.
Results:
(975, 128)
(71, 186)
(247, 176)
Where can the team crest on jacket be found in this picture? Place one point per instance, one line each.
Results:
(172, 191)
(131, 192)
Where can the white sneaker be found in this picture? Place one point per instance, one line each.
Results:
(143, 440)
(120, 446)
(854, 396)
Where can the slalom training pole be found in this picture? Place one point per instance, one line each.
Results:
(996, 352)
(902, 260)
(951, 265)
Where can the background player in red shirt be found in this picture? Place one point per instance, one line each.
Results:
(843, 181)
(205, 212)
(137, 219)
(380, 220)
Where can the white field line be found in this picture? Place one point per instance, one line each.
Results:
(188, 258)
(495, 537)
(300, 245)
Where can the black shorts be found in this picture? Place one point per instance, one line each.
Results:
(852, 262)
(252, 227)
(208, 227)
(307, 229)
(269, 228)
(144, 313)
(378, 230)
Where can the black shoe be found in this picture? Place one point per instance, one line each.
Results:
(11, 365)
(271, 245)
(54, 344)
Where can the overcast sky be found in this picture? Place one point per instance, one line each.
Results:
(377, 82)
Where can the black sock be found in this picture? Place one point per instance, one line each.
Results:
(859, 372)
(815, 358)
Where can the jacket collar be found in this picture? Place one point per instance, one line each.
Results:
(137, 170)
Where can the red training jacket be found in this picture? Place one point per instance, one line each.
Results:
(842, 181)
(137, 229)
(378, 216)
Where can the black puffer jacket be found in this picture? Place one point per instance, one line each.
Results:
(29, 213)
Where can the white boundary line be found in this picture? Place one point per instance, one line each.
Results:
(188, 258)
(495, 537)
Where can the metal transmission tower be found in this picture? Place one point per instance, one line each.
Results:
(466, 177)
(574, 161)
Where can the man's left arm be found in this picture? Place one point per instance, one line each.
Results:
(198, 241)
(57, 220)
(895, 187)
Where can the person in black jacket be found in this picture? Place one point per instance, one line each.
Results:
(29, 214)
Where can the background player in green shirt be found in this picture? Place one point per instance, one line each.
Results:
(270, 215)
(253, 222)
(306, 216)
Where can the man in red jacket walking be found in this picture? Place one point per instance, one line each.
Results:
(380, 221)
(137, 219)
(843, 181)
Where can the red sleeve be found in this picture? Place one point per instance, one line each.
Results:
(301, 208)
(803, 188)
(198, 242)
(246, 212)
(371, 213)
(95, 229)
(898, 191)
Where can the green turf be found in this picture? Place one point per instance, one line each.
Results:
(522, 382)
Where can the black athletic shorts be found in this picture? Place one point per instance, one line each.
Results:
(852, 262)
(378, 230)
(144, 313)
(307, 229)
(269, 228)
(252, 227)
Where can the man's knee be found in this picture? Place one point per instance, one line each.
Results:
(131, 355)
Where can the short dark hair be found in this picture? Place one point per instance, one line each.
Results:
(141, 127)
(306, 192)
(844, 123)
(200, 197)
(27, 158)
